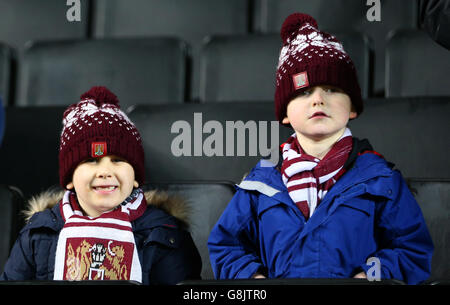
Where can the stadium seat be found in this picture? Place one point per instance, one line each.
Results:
(206, 201)
(189, 142)
(410, 132)
(5, 72)
(433, 198)
(416, 65)
(189, 20)
(140, 70)
(242, 68)
(340, 15)
(29, 152)
(26, 20)
(11, 203)
(216, 151)
(239, 68)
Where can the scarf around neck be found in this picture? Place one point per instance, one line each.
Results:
(308, 178)
(99, 248)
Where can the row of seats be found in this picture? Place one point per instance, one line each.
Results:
(232, 68)
(223, 141)
(193, 20)
(208, 200)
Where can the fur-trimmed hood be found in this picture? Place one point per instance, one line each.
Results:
(166, 250)
(173, 205)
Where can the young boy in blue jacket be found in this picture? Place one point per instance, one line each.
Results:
(332, 203)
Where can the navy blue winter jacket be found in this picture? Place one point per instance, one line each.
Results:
(166, 250)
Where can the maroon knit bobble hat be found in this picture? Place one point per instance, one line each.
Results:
(96, 127)
(309, 58)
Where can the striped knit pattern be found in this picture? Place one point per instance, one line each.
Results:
(308, 178)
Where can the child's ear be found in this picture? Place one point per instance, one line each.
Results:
(353, 113)
(136, 184)
(69, 186)
(285, 121)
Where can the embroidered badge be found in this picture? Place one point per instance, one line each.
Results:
(300, 80)
(98, 149)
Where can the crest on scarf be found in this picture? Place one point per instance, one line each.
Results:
(97, 259)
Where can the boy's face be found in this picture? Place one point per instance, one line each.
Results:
(101, 184)
(319, 113)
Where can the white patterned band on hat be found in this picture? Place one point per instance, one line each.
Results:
(293, 49)
(87, 113)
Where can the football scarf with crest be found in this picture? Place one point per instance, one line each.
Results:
(100, 248)
(307, 178)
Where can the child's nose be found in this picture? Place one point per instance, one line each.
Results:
(104, 174)
(318, 97)
(104, 169)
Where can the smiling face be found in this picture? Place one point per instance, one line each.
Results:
(101, 184)
(320, 113)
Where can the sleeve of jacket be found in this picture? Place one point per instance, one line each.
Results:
(232, 243)
(177, 261)
(405, 245)
(19, 265)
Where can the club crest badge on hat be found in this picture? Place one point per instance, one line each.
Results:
(300, 80)
(98, 149)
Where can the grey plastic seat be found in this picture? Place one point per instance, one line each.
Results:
(28, 20)
(239, 68)
(189, 20)
(416, 65)
(433, 196)
(206, 201)
(410, 132)
(211, 141)
(137, 70)
(29, 152)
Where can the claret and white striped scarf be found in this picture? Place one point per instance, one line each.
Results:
(100, 248)
(307, 178)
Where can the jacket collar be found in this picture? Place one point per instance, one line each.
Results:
(163, 210)
(266, 178)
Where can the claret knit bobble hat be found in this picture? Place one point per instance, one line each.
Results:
(309, 58)
(96, 127)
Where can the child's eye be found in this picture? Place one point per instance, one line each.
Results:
(115, 160)
(90, 160)
(305, 93)
(333, 90)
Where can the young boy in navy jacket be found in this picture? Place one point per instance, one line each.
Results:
(103, 226)
(332, 203)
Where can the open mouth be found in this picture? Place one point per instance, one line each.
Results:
(105, 188)
(319, 114)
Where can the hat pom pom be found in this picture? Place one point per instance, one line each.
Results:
(293, 22)
(101, 95)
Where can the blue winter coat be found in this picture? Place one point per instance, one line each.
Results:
(166, 250)
(369, 212)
